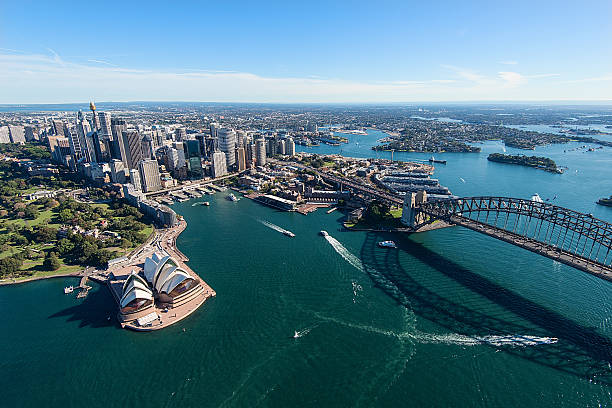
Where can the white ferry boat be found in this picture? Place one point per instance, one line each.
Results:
(68, 289)
(387, 244)
(323, 233)
(232, 197)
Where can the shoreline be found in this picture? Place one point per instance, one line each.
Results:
(8, 282)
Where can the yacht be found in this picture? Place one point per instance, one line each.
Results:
(536, 197)
(232, 197)
(68, 289)
(323, 233)
(289, 233)
(387, 244)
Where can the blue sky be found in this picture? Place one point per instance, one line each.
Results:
(359, 51)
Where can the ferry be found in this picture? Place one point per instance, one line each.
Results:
(232, 197)
(323, 233)
(433, 160)
(387, 244)
(289, 233)
(68, 289)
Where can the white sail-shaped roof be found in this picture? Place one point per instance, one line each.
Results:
(133, 294)
(149, 268)
(174, 280)
(163, 276)
(133, 285)
(134, 276)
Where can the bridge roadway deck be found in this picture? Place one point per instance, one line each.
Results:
(537, 247)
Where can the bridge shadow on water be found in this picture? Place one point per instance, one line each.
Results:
(93, 311)
(580, 350)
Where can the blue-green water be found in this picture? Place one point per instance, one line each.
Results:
(425, 325)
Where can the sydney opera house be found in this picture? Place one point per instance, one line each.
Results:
(165, 285)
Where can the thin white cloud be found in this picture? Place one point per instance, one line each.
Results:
(512, 79)
(51, 79)
(508, 62)
(99, 61)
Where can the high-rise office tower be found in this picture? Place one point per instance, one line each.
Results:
(17, 134)
(241, 158)
(149, 175)
(180, 134)
(272, 146)
(105, 125)
(280, 147)
(4, 135)
(30, 133)
(290, 147)
(117, 148)
(75, 144)
(132, 145)
(213, 130)
(180, 149)
(240, 137)
(87, 148)
(194, 158)
(260, 152)
(135, 179)
(58, 127)
(147, 147)
(219, 165)
(250, 154)
(118, 171)
(227, 144)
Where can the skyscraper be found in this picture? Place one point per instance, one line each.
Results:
(241, 158)
(227, 144)
(17, 134)
(149, 175)
(290, 147)
(180, 134)
(132, 145)
(219, 166)
(135, 179)
(4, 135)
(105, 125)
(118, 171)
(260, 152)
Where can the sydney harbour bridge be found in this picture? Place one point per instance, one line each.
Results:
(570, 237)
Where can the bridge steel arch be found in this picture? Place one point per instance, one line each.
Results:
(567, 236)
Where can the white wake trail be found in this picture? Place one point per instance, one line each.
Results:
(345, 253)
(511, 340)
(274, 226)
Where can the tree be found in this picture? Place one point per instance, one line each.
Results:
(51, 262)
(31, 212)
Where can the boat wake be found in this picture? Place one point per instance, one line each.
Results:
(345, 253)
(303, 332)
(274, 227)
(411, 333)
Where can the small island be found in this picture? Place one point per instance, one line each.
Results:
(543, 163)
(605, 201)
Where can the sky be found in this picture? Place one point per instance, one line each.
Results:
(314, 51)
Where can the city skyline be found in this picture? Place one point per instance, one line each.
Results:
(278, 53)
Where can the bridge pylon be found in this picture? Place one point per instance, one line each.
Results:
(410, 216)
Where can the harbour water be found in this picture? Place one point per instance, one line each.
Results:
(451, 318)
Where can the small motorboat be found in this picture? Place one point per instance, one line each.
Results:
(323, 233)
(387, 244)
(68, 289)
(289, 234)
(232, 197)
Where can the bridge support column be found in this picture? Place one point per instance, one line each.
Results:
(410, 218)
